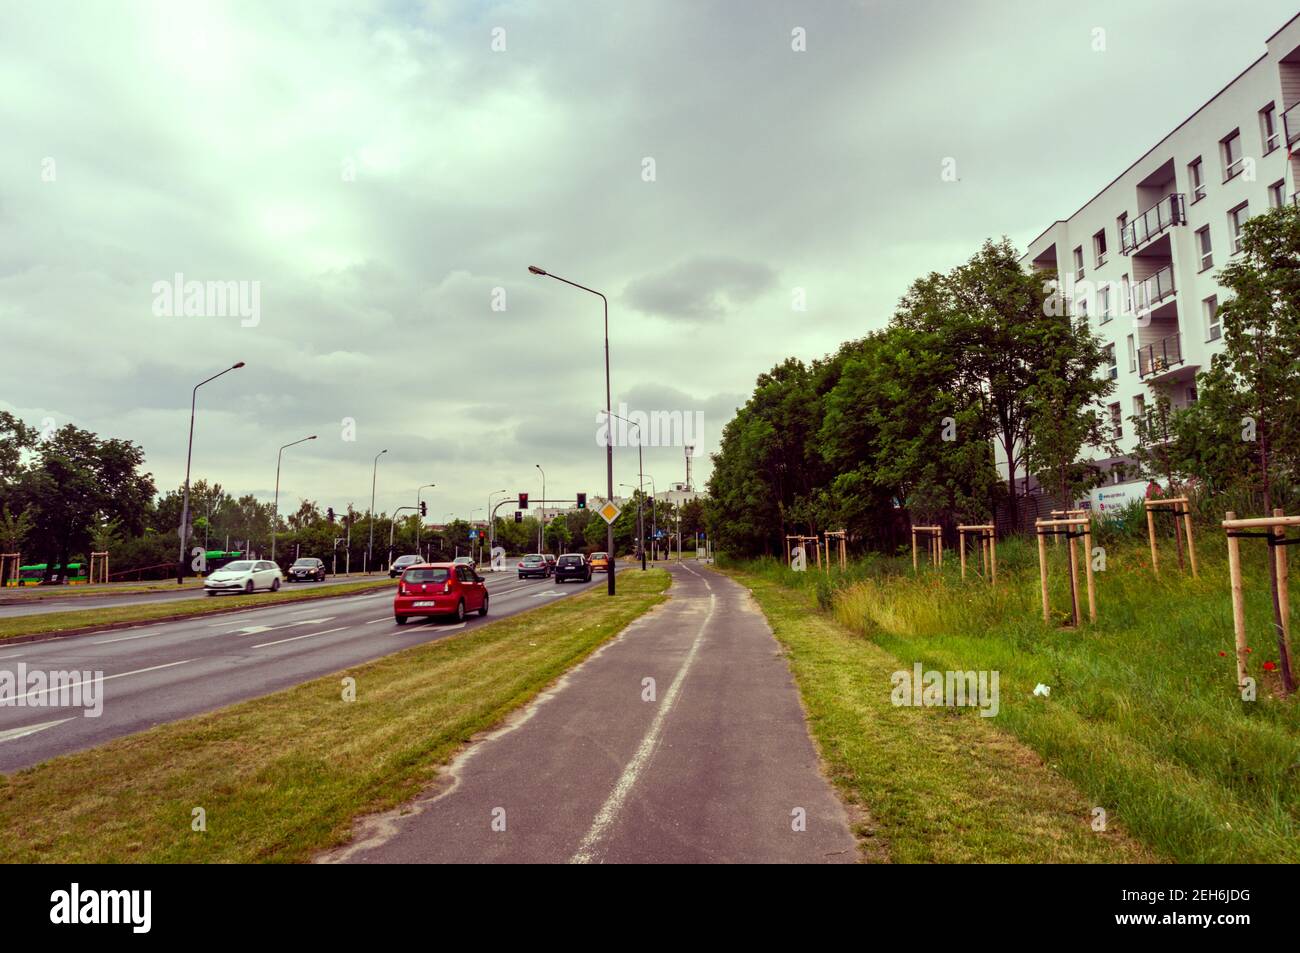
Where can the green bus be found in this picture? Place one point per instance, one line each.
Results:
(34, 574)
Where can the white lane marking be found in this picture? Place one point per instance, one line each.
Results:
(128, 638)
(13, 734)
(309, 635)
(548, 595)
(608, 812)
(259, 629)
(14, 655)
(138, 671)
(384, 619)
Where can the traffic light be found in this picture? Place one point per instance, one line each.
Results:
(523, 501)
(519, 517)
(424, 508)
(582, 501)
(329, 514)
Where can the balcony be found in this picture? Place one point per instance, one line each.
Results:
(1158, 359)
(1153, 223)
(1291, 123)
(1151, 292)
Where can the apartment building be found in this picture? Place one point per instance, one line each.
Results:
(1141, 259)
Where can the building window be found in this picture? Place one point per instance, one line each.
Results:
(1103, 303)
(1132, 355)
(1213, 329)
(1191, 395)
(1125, 295)
(1203, 246)
(1078, 263)
(1230, 147)
(1277, 194)
(1099, 247)
(1112, 369)
(1236, 220)
(1268, 128)
(1116, 421)
(1194, 175)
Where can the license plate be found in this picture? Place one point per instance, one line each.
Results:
(424, 605)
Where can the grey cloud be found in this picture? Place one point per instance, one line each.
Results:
(700, 289)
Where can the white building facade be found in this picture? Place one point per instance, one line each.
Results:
(1141, 259)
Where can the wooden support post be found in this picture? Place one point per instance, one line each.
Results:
(1191, 543)
(961, 549)
(1074, 581)
(1283, 597)
(1151, 535)
(1238, 602)
(1087, 558)
(938, 549)
(914, 565)
(993, 557)
(1042, 574)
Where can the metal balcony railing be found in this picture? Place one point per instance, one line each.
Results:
(1150, 292)
(1163, 355)
(1291, 123)
(1168, 212)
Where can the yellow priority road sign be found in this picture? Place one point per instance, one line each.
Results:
(608, 512)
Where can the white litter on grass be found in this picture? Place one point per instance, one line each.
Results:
(1043, 690)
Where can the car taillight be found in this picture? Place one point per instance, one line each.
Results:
(446, 586)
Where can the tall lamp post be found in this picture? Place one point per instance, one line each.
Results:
(609, 439)
(419, 530)
(541, 516)
(654, 508)
(183, 530)
(640, 518)
(275, 515)
(370, 547)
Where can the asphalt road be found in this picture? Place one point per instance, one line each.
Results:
(165, 671)
(71, 601)
(717, 768)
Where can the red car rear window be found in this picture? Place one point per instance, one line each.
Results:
(424, 575)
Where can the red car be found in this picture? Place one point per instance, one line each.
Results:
(439, 589)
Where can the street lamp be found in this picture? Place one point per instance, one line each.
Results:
(275, 518)
(640, 518)
(541, 516)
(654, 508)
(419, 530)
(370, 547)
(609, 439)
(183, 531)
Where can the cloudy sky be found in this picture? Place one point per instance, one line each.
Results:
(384, 172)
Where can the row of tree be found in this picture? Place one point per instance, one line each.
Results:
(71, 493)
(986, 367)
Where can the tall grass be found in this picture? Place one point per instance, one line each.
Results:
(1143, 715)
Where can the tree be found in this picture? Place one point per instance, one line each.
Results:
(78, 480)
(1260, 362)
(1064, 410)
(993, 319)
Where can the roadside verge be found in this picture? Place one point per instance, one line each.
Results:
(939, 785)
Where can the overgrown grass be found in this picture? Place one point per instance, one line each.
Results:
(77, 620)
(282, 777)
(938, 786)
(1144, 715)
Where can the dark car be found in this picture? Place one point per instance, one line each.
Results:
(304, 569)
(572, 566)
(401, 563)
(534, 565)
(550, 562)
